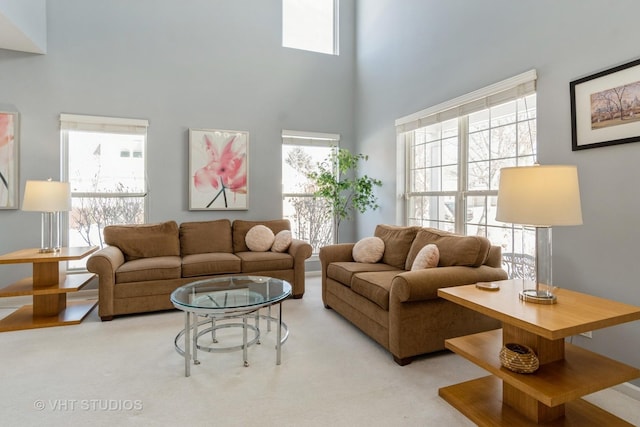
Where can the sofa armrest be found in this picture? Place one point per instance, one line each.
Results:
(421, 285)
(104, 263)
(300, 251)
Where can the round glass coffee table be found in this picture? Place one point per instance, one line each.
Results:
(226, 298)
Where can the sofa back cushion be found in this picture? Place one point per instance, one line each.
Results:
(144, 240)
(397, 242)
(205, 237)
(241, 228)
(471, 251)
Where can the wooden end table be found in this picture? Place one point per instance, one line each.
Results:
(552, 394)
(49, 289)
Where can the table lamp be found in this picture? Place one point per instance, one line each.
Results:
(50, 198)
(542, 197)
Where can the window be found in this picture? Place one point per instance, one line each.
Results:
(104, 162)
(310, 25)
(311, 218)
(454, 153)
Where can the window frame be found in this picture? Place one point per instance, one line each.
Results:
(309, 139)
(460, 109)
(107, 125)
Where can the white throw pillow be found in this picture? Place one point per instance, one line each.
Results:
(282, 241)
(259, 238)
(369, 250)
(428, 257)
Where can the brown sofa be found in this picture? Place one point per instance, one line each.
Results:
(143, 264)
(400, 308)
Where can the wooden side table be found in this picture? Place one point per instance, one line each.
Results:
(551, 395)
(49, 289)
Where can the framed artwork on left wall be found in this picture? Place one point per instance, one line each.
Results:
(9, 159)
(218, 169)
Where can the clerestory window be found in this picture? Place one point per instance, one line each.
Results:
(310, 25)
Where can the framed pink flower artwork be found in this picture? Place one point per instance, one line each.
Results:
(9, 178)
(218, 169)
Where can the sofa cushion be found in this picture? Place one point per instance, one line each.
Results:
(265, 261)
(471, 251)
(211, 263)
(241, 228)
(374, 286)
(397, 242)
(282, 241)
(147, 269)
(428, 257)
(201, 237)
(144, 240)
(343, 272)
(259, 238)
(369, 249)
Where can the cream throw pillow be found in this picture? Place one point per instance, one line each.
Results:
(369, 250)
(428, 257)
(259, 238)
(282, 241)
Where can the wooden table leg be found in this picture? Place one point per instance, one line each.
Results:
(46, 275)
(547, 351)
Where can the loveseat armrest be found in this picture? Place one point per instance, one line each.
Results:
(341, 252)
(104, 263)
(421, 285)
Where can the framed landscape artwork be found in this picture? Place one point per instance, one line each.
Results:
(218, 169)
(9, 179)
(605, 107)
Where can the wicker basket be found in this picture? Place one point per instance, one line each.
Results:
(519, 358)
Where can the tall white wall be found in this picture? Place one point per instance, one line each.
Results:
(413, 54)
(179, 64)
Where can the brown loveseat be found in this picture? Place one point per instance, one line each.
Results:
(143, 264)
(400, 308)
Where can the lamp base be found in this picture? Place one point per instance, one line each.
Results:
(537, 297)
(48, 250)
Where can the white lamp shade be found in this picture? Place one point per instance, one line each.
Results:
(540, 196)
(47, 196)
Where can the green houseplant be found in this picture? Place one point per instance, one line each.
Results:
(338, 182)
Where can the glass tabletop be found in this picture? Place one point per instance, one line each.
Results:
(231, 293)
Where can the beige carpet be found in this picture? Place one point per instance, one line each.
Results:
(126, 372)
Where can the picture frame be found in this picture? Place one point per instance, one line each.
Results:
(218, 169)
(605, 107)
(9, 158)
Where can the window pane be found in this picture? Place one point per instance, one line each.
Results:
(311, 220)
(98, 164)
(308, 25)
(297, 162)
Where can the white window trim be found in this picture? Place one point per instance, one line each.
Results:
(497, 93)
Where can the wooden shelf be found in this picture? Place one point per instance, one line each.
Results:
(481, 401)
(580, 373)
(23, 318)
(49, 288)
(67, 283)
(552, 394)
